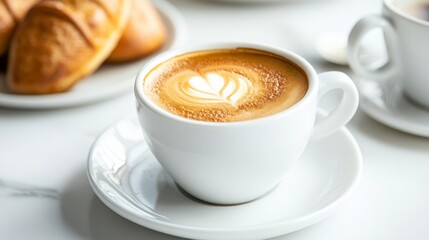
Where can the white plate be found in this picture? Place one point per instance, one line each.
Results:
(108, 81)
(129, 180)
(386, 104)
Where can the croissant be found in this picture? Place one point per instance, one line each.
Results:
(11, 13)
(61, 41)
(145, 33)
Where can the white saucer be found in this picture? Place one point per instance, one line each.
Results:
(108, 81)
(128, 179)
(386, 104)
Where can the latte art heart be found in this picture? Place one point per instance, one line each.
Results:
(225, 85)
(215, 87)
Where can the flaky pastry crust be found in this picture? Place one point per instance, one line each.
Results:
(61, 41)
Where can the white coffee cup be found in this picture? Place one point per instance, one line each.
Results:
(407, 44)
(236, 162)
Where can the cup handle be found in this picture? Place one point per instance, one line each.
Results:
(363, 26)
(345, 110)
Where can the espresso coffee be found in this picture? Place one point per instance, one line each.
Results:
(417, 8)
(226, 85)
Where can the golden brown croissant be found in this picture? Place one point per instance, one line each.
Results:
(11, 12)
(60, 41)
(144, 33)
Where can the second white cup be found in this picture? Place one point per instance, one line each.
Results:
(407, 44)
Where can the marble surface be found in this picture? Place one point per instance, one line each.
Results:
(45, 194)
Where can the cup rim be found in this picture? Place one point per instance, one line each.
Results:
(391, 6)
(293, 57)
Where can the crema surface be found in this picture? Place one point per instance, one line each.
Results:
(225, 85)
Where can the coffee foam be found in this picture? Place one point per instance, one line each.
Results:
(212, 87)
(226, 85)
(417, 8)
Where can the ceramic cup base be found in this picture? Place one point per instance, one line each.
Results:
(193, 198)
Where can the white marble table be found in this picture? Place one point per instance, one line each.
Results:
(44, 192)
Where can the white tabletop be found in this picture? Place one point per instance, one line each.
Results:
(45, 194)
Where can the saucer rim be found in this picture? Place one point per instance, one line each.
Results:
(391, 122)
(257, 231)
(388, 119)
